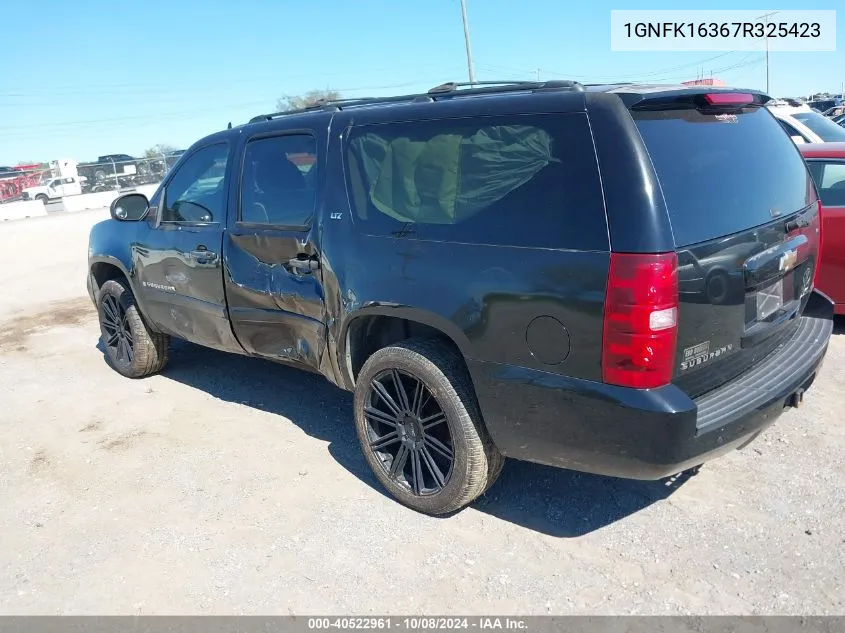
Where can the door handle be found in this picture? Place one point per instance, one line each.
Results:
(202, 255)
(304, 264)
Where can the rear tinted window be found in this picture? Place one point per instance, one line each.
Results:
(721, 174)
(527, 180)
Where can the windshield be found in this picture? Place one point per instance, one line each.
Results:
(821, 125)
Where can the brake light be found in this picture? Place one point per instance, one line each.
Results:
(729, 98)
(640, 320)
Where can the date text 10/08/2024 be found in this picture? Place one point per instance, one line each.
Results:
(723, 29)
(422, 623)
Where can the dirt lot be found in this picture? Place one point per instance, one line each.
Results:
(228, 485)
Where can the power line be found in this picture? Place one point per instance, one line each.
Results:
(601, 77)
(128, 88)
(74, 127)
(645, 77)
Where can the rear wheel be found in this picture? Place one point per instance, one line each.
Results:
(42, 198)
(131, 347)
(420, 428)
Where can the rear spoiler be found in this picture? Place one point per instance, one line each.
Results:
(699, 97)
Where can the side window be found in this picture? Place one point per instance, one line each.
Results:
(831, 184)
(278, 182)
(197, 192)
(791, 131)
(528, 180)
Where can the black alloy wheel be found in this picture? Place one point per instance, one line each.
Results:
(117, 332)
(420, 428)
(408, 432)
(132, 348)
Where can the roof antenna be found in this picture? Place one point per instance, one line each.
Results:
(230, 126)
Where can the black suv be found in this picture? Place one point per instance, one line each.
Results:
(612, 279)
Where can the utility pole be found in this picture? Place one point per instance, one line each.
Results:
(466, 40)
(767, 54)
(766, 16)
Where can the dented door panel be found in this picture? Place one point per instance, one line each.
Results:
(272, 270)
(276, 309)
(183, 292)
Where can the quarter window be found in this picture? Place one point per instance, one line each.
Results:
(525, 180)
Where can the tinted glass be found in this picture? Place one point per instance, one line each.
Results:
(197, 190)
(526, 180)
(821, 125)
(278, 185)
(721, 174)
(790, 130)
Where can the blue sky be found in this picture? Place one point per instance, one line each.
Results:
(92, 77)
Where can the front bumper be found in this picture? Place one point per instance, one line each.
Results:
(646, 434)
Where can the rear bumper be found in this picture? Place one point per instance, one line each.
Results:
(646, 434)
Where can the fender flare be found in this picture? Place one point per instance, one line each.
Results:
(130, 278)
(424, 317)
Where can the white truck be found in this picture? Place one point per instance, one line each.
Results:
(65, 182)
(53, 189)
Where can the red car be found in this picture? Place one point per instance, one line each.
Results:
(827, 166)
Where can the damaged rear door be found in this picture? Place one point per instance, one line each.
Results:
(272, 261)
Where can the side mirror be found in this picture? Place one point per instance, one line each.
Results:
(131, 207)
(798, 140)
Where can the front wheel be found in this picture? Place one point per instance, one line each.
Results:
(131, 348)
(420, 428)
(42, 198)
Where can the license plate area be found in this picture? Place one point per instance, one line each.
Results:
(769, 300)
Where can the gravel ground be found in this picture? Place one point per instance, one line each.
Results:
(229, 485)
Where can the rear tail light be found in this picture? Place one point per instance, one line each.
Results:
(640, 320)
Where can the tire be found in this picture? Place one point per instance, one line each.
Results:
(42, 198)
(99, 175)
(445, 385)
(148, 351)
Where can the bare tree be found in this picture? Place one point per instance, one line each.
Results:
(157, 150)
(311, 97)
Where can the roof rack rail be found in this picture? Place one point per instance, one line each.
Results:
(448, 89)
(505, 86)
